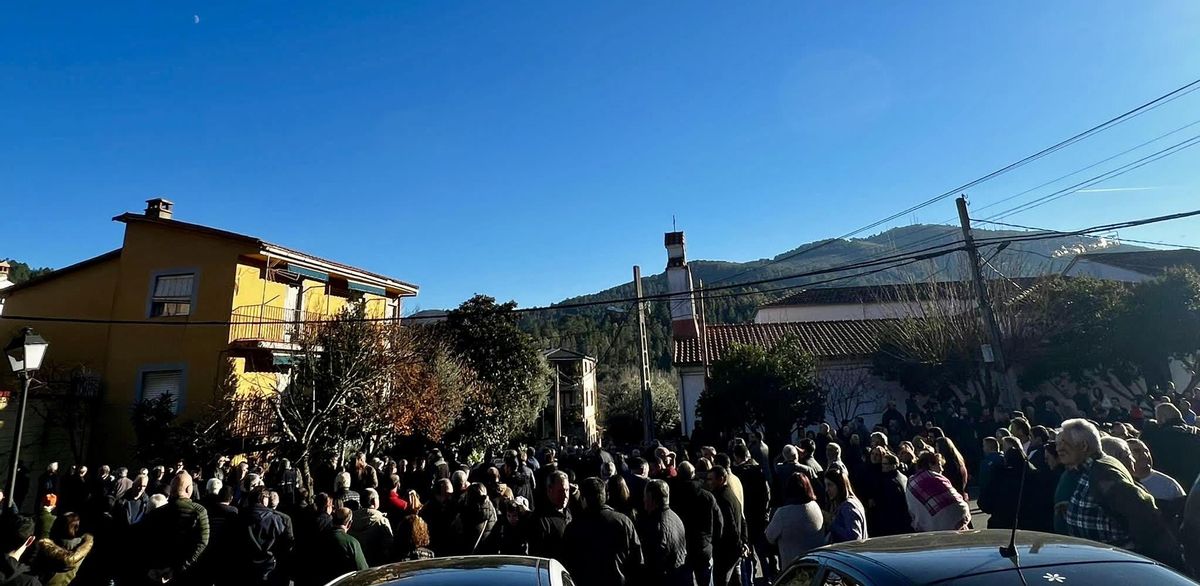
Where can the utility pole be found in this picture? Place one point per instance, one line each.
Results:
(647, 408)
(985, 309)
(557, 404)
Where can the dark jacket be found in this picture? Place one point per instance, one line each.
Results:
(1175, 445)
(265, 536)
(602, 548)
(14, 573)
(440, 518)
(175, 535)
(702, 521)
(522, 483)
(1121, 497)
(888, 513)
(546, 531)
(757, 495)
(999, 496)
(337, 554)
(223, 530)
(734, 533)
(473, 528)
(664, 545)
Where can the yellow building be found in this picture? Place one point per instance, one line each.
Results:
(181, 308)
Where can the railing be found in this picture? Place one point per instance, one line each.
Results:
(269, 323)
(251, 417)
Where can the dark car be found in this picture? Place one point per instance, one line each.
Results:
(973, 558)
(497, 570)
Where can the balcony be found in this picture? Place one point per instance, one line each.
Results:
(270, 324)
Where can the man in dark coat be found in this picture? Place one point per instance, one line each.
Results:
(756, 506)
(439, 515)
(602, 545)
(266, 538)
(337, 551)
(1174, 444)
(550, 522)
(47, 482)
(223, 526)
(729, 549)
(519, 478)
(664, 543)
(638, 476)
(702, 521)
(175, 534)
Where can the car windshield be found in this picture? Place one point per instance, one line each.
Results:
(1093, 574)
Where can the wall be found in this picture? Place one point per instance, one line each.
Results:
(150, 249)
(691, 384)
(1086, 268)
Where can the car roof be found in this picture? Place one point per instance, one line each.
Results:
(484, 569)
(941, 555)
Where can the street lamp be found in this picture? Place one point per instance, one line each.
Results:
(25, 354)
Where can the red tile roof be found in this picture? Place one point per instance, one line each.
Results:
(824, 340)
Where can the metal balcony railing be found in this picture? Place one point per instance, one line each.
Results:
(269, 323)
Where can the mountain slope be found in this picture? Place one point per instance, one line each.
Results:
(607, 333)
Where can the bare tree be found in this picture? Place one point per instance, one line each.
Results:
(850, 392)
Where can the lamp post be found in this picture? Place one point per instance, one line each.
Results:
(25, 354)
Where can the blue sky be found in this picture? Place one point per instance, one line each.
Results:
(537, 150)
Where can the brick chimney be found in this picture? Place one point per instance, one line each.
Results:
(679, 285)
(159, 208)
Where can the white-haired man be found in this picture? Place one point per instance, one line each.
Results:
(1107, 505)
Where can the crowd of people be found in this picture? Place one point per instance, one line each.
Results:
(657, 514)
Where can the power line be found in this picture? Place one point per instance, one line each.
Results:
(1117, 172)
(1142, 109)
(1119, 238)
(926, 254)
(1082, 169)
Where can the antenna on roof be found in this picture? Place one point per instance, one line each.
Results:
(1010, 551)
(673, 227)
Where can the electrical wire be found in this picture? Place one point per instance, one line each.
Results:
(926, 254)
(1142, 109)
(1117, 172)
(1118, 238)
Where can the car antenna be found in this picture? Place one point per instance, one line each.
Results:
(1010, 551)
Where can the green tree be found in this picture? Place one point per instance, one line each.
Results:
(511, 371)
(622, 406)
(20, 272)
(774, 391)
(338, 364)
(1075, 320)
(1161, 321)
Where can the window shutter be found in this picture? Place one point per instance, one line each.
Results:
(157, 384)
(175, 286)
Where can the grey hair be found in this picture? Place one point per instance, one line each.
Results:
(458, 478)
(558, 476)
(213, 486)
(686, 470)
(790, 453)
(1082, 432)
(1116, 447)
(608, 469)
(372, 498)
(342, 482)
(834, 448)
(659, 493)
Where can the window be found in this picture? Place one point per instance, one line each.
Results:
(836, 578)
(801, 574)
(158, 383)
(172, 295)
